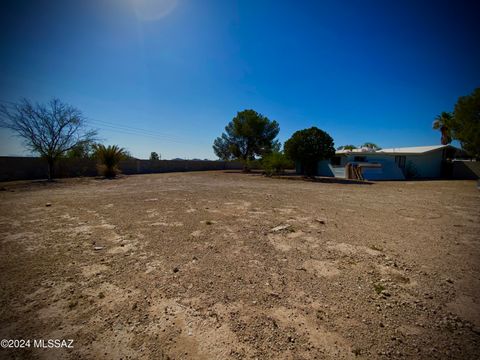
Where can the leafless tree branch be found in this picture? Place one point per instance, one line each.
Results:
(48, 129)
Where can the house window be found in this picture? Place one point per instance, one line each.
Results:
(360, 159)
(400, 161)
(335, 161)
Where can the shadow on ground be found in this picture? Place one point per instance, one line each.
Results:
(293, 176)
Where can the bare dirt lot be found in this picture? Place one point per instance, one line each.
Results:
(215, 265)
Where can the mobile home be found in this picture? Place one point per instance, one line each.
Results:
(389, 164)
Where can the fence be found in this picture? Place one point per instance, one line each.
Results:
(30, 168)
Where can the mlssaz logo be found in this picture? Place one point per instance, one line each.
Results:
(53, 343)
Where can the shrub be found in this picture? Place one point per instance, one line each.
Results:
(378, 288)
(108, 158)
(275, 163)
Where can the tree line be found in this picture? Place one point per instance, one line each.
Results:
(462, 124)
(56, 129)
(251, 135)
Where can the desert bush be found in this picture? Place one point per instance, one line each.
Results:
(108, 158)
(275, 163)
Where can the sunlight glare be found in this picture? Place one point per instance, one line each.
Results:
(151, 10)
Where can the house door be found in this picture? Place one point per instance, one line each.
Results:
(400, 161)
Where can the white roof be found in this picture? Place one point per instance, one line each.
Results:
(355, 151)
(413, 149)
(398, 150)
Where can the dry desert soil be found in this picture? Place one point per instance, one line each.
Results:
(219, 265)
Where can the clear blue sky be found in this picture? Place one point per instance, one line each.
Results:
(376, 71)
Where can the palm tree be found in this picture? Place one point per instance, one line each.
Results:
(109, 157)
(442, 122)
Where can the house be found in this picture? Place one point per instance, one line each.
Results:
(390, 164)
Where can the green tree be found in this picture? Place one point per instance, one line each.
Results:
(109, 158)
(154, 156)
(465, 124)
(443, 122)
(81, 151)
(347, 147)
(372, 146)
(308, 147)
(247, 136)
(275, 163)
(50, 129)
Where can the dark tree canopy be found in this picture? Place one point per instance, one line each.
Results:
(465, 124)
(154, 156)
(49, 129)
(308, 147)
(223, 146)
(248, 135)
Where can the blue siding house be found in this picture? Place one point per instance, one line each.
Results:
(389, 164)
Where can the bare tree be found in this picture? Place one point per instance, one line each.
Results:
(48, 129)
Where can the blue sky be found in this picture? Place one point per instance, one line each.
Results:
(168, 75)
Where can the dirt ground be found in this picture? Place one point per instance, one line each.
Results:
(215, 265)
